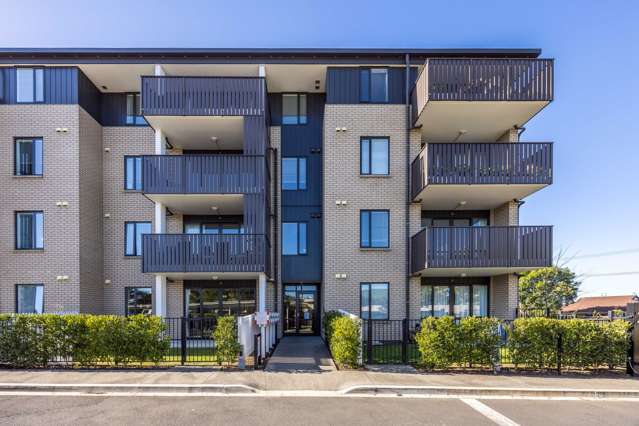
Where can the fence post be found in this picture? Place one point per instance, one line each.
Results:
(405, 340)
(183, 341)
(256, 358)
(560, 348)
(369, 340)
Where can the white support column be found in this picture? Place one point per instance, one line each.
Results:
(159, 222)
(261, 293)
(159, 71)
(261, 70)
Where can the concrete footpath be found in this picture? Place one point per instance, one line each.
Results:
(325, 383)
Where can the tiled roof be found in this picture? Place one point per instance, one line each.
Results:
(612, 302)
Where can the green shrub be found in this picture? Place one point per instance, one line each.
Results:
(585, 344)
(344, 340)
(532, 342)
(327, 323)
(438, 342)
(227, 348)
(471, 342)
(37, 340)
(479, 341)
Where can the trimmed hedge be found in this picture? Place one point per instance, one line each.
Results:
(542, 343)
(227, 348)
(533, 343)
(343, 336)
(471, 342)
(37, 340)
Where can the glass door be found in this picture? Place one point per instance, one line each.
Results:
(300, 305)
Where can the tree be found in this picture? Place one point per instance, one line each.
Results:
(548, 288)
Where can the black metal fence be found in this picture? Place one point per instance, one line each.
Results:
(394, 341)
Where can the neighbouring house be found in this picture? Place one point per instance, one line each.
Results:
(197, 182)
(600, 305)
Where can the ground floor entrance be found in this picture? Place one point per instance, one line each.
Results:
(301, 309)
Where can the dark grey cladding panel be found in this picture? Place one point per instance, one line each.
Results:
(255, 135)
(89, 97)
(307, 268)
(113, 109)
(62, 86)
(342, 84)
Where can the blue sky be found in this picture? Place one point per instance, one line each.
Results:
(594, 202)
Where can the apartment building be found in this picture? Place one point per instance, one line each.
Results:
(197, 182)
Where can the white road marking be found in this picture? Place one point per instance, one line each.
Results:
(488, 412)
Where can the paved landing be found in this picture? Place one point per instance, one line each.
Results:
(300, 354)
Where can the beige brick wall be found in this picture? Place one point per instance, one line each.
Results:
(60, 182)
(122, 206)
(342, 181)
(504, 295)
(274, 290)
(91, 236)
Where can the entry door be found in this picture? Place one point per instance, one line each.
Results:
(300, 309)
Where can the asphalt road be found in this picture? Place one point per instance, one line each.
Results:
(198, 410)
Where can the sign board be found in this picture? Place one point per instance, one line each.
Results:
(262, 318)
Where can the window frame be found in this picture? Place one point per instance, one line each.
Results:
(297, 123)
(370, 85)
(370, 227)
(126, 157)
(361, 315)
(135, 222)
(127, 289)
(17, 298)
(297, 173)
(15, 154)
(137, 105)
(470, 284)
(298, 238)
(34, 86)
(370, 155)
(16, 214)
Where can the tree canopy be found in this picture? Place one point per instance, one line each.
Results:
(548, 288)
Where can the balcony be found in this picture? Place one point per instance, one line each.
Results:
(192, 184)
(183, 256)
(479, 98)
(203, 96)
(480, 251)
(193, 111)
(445, 174)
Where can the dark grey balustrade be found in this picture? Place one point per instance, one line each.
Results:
(204, 174)
(483, 80)
(219, 96)
(482, 164)
(482, 247)
(166, 253)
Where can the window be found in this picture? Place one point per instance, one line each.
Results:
(29, 230)
(454, 219)
(133, 232)
(206, 302)
(133, 110)
(139, 301)
(294, 238)
(133, 173)
(294, 108)
(30, 85)
(293, 174)
(460, 300)
(374, 232)
(374, 301)
(373, 85)
(29, 298)
(28, 157)
(374, 156)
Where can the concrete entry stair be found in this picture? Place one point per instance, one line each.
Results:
(300, 354)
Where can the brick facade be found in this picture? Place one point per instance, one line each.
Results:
(342, 181)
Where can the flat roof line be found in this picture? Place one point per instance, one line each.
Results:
(289, 53)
